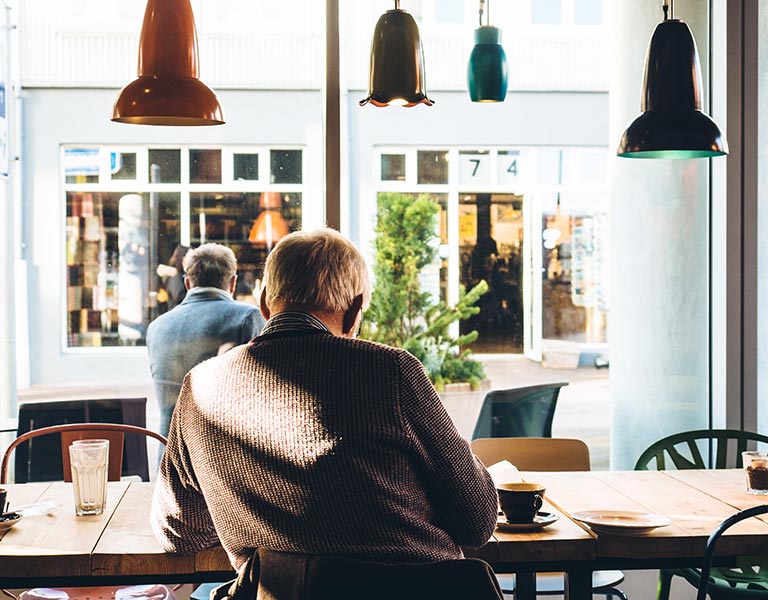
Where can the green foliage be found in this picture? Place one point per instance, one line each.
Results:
(401, 314)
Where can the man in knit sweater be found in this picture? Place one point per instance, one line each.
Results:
(309, 441)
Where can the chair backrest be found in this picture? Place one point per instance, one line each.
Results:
(42, 461)
(691, 450)
(534, 453)
(114, 432)
(709, 551)
(518, 412)
(346, 579)
(270, 574)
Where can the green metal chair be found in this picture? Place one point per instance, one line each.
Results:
(703, 449)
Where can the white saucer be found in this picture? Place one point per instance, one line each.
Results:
(541, 520)
(9, 520)
(621, 522)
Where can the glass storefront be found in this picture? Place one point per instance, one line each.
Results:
(131, 212)
(530, 222)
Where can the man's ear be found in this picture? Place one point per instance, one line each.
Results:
(263, 304)
(350, 315)
(232, 285)
(187, 283)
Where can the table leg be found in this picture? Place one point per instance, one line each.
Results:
(525, 586)
(578, 584)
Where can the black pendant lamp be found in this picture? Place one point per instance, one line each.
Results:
(168, 91)
(487, 71)
(396, 75)
(672, 124)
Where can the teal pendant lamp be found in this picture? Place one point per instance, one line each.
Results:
(672, 124)
(487, 71)
(396, 75)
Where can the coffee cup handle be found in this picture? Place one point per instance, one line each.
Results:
(537, 501)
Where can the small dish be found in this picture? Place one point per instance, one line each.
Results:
(541, 520)
(8, 520)
(621, 522)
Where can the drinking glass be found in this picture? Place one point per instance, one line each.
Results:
(756, 467)
(89, 460)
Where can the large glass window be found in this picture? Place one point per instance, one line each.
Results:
(124, 224)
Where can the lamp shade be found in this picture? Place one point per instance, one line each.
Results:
(270, 226)
(396, 74)
(168, 91)
(672, 124)
(487, 71)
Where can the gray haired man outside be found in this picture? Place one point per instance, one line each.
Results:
(208, 322)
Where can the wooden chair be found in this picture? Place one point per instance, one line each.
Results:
(701, 449)
(518, 412)
(115, 433)
(745, 582)
(545, 454)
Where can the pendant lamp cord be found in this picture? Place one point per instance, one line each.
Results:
(397, 4)
(668, 7)
(487, 13)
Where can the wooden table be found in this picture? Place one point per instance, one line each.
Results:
(696, 501)
(119, 547)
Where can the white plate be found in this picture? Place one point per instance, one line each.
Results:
(541, 520)
(621, 522)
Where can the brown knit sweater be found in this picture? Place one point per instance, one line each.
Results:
(307, 442)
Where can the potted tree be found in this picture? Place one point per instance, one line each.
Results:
(403, 314)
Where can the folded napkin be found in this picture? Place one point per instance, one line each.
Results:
(504, 472)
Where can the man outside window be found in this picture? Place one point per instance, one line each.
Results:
(206, 323)
(309, 441)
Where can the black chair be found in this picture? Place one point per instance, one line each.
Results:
(41, 461)
(744, 584)
(692, 450)
(282, 575)
(519, 412)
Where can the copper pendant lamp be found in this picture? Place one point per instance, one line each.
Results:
(168, 91)
(396, 76)
(672, 124)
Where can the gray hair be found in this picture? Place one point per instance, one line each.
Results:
(320, 269)
(210, 265)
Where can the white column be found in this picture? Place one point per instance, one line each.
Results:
(659, 257)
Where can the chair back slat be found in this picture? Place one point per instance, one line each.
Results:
(534, 453)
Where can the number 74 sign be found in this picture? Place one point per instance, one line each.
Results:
(477, 168)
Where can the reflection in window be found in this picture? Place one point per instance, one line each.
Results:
(393, 167)
(122, 165)
(432, 166)
(205, 166)
(164, 166)
(285, 166)
(81, 165)
(245, 167)
(546, 12)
